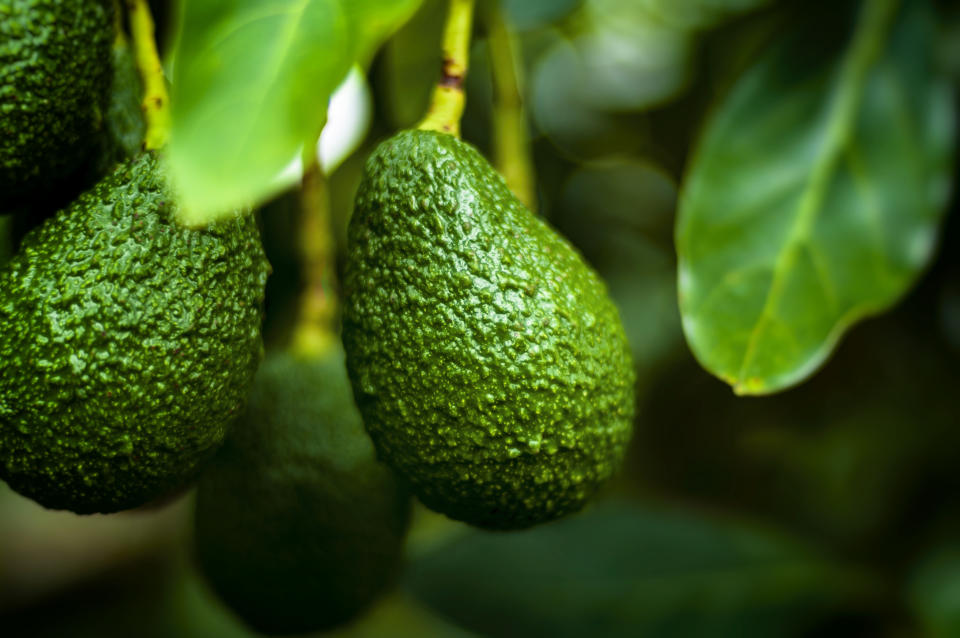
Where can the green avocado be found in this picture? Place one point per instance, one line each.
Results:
(298, 527)
(55, 68)
(127, 345)
(488, 362)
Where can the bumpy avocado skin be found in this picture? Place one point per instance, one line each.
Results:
(54, 83)
(127, 345)
(298, 526)
(489, 364)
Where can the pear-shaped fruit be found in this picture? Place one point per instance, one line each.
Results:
(489, 364)
(127, 345)
(54, 85)
(298, 526)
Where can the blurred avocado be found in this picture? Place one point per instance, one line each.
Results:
(298, 526)
(54, 90)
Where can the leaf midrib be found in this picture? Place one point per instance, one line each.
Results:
(872, 26)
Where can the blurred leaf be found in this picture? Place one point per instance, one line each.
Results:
(619, 213)
(252, 85)
(563, 112)
(411, 65)
(949, 44)
(628, 192)
(814, 199)
(43, 552)
(529, 14)
(696, 14)
(633, 69)
(934, 593)
(630, 570)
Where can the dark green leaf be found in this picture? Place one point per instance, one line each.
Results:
(251, 86)
(814, 198)
(934, 592)
(629, 570)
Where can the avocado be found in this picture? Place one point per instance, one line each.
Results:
(298, 527)
(55, 67)
(127, 344)
(487, 360)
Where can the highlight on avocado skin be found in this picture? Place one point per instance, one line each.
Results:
(298, 527)
(128, 345)
(489, 364)
(55, 69)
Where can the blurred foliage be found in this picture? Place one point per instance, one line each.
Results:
(831, 509)
(934, 592)
(633, 570)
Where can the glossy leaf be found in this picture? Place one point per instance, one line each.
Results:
(814, 198)
(252, 85)
(629, 570)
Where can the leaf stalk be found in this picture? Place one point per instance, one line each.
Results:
(156, 100)
(511, 139)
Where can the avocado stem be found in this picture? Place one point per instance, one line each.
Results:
(511, 140)
(448, 100)
(315, 331)
(156, 101)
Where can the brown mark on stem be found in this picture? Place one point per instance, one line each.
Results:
(452, 74)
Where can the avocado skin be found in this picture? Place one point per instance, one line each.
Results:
(488, 362)
(55, 67)
(298, 527)
(127, 345)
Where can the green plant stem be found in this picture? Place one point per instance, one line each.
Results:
(511, 140)
(448, 100)
(315, 332)
(156, 101)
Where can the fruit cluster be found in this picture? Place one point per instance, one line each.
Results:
(490, 369)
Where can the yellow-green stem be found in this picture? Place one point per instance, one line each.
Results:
(315, 332)
(448, 100)
(156, 101)
(511, 140)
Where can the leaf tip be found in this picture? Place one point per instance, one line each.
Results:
(750, 386)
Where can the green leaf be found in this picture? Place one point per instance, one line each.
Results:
(630, 570)
(933, 592)
(251, 86)
(815, 197)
